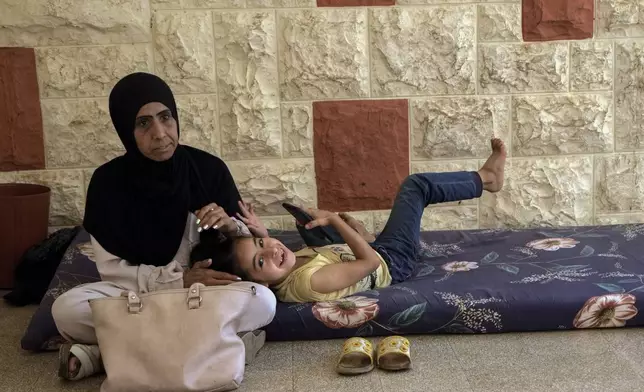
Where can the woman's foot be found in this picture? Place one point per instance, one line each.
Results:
(73, 366)
(492, 170)
(357, 226)
(77, 361)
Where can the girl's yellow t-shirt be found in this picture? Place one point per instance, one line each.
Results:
(297, 286)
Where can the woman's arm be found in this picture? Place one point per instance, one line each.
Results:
(138, 278)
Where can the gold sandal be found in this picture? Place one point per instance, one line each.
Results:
(393, 353)
(356, 357)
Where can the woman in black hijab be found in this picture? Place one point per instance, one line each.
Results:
(145, 211)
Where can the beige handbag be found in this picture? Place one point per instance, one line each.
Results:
(179, 340)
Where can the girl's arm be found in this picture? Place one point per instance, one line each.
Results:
(336, 277)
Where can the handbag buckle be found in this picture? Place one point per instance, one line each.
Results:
(190, 306)
(134, 303)
(134, 308)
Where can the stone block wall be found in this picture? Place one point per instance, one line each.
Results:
(334, 102)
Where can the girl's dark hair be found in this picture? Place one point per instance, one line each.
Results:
(222, 255)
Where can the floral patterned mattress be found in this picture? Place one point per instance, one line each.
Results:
(480, 281)
(487, 281)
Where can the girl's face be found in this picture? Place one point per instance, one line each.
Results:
(264, 260)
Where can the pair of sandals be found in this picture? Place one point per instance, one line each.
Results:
(392, 353)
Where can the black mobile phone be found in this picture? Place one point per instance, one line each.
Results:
(318, 236)
(302, 217)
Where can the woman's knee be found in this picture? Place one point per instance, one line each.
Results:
(68, 308)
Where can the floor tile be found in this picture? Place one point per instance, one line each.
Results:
(438, 376)
(629, 344)
(497, 349)
(267, 381)
(13, 320)
(274, 356)
(581, 343)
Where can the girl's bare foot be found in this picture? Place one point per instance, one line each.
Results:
(492, 171)
(357, 226)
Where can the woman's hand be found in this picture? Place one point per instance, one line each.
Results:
(200, 273)
(251, 220)
(213, 216)
(321, 218)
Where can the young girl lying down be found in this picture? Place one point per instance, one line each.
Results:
(336, 271)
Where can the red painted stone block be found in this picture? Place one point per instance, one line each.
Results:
(550, 20)
(355, 3)
(21, 134)
(361, 153)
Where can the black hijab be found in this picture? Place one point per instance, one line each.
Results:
(137, 208)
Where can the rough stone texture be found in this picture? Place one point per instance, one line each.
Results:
(627, 219)
(180, 4)
(280, 3)
(432, 2)
(447, 166)
(248, 88)
(297, 130)
(88, 71)
(21, 131)
(618, 183)
(562, 124)
(198, 121)
(542, 192)
(620, 18)
(450, 218)
(273, 222)
(267, 185)
(354, 3)
(67, 193)
(437, 218)
(591, 65)
(514, 68)
(417, 51)
(380, 219)
(547, 20)
(499, 23)
(184, 50)
(87, 177)
(79, 133)
(629, 100)
(289, 223)
(54, 22)
(8, 177)
(323, 54)
(457, 127)
(361, 153)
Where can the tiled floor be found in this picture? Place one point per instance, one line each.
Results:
(582, 361)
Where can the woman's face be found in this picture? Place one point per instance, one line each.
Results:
(155, 132)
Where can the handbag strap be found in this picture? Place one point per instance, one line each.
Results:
(194, 296)
(135, 304)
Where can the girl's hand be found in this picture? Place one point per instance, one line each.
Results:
(251, 220)
(321, 218)
(213, 216)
